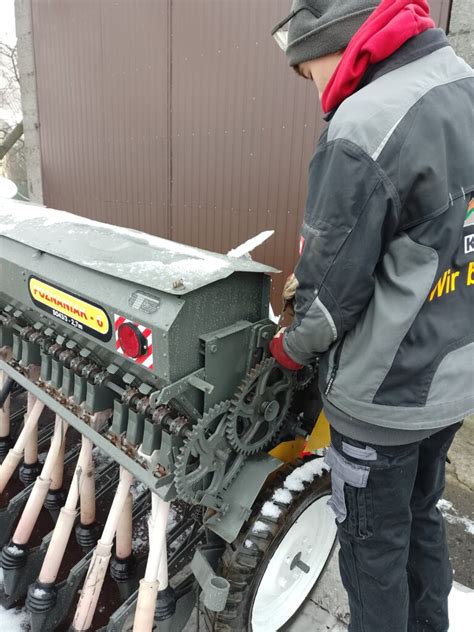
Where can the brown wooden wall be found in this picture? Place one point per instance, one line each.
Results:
(177, 117)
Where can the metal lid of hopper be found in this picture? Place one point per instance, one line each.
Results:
(119, 252)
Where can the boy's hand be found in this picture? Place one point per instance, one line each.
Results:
(288, 295)
(278, 352)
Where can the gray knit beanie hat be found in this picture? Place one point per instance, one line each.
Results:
(321, 27)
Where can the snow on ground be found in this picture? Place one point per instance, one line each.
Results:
(13, 620)
(452, 516)
(461, 608)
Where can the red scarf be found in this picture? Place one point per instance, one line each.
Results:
(391, 24)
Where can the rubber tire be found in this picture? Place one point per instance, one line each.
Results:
(244, 566)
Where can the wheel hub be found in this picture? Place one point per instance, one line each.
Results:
(295, 565)
(298, 562)
(270, 410)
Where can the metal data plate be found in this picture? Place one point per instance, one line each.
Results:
(119, 252)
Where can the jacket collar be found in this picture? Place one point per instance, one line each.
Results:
(415, 48)
(424, 44)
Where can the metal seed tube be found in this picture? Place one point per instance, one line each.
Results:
(65, 523)
(149, 585)
(14, 456)
(40, 489)
(101, 557)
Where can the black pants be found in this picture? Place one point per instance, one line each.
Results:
(394, 558)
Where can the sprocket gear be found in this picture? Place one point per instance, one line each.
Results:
(206, 464)
(258, 411)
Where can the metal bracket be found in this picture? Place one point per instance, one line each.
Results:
(6, 336)
(196, 379)
(265, 333)
(200, 384)
(241, 496)
(17, 343)
(215, 589)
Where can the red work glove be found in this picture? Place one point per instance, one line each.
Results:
(278, 352)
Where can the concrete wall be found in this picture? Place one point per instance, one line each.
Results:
(29, 104)
(461, 32)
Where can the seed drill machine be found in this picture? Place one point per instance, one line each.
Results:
(157, 466)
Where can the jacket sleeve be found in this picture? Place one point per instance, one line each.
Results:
(351, 215)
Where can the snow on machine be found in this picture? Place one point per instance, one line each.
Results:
(152, 454)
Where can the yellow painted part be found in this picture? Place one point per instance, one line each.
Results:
(321, 435)
(289, 451)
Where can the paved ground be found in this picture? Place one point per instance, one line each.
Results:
(315, 619)
(460, 492)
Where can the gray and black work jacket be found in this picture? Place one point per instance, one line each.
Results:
(386, 274)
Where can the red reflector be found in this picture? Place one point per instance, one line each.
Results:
(132, 341)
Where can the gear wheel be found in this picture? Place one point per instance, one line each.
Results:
(259, 409)
(206, 464)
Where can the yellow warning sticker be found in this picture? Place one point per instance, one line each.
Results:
(71, 309)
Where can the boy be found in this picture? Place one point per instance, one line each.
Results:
(386, 290)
